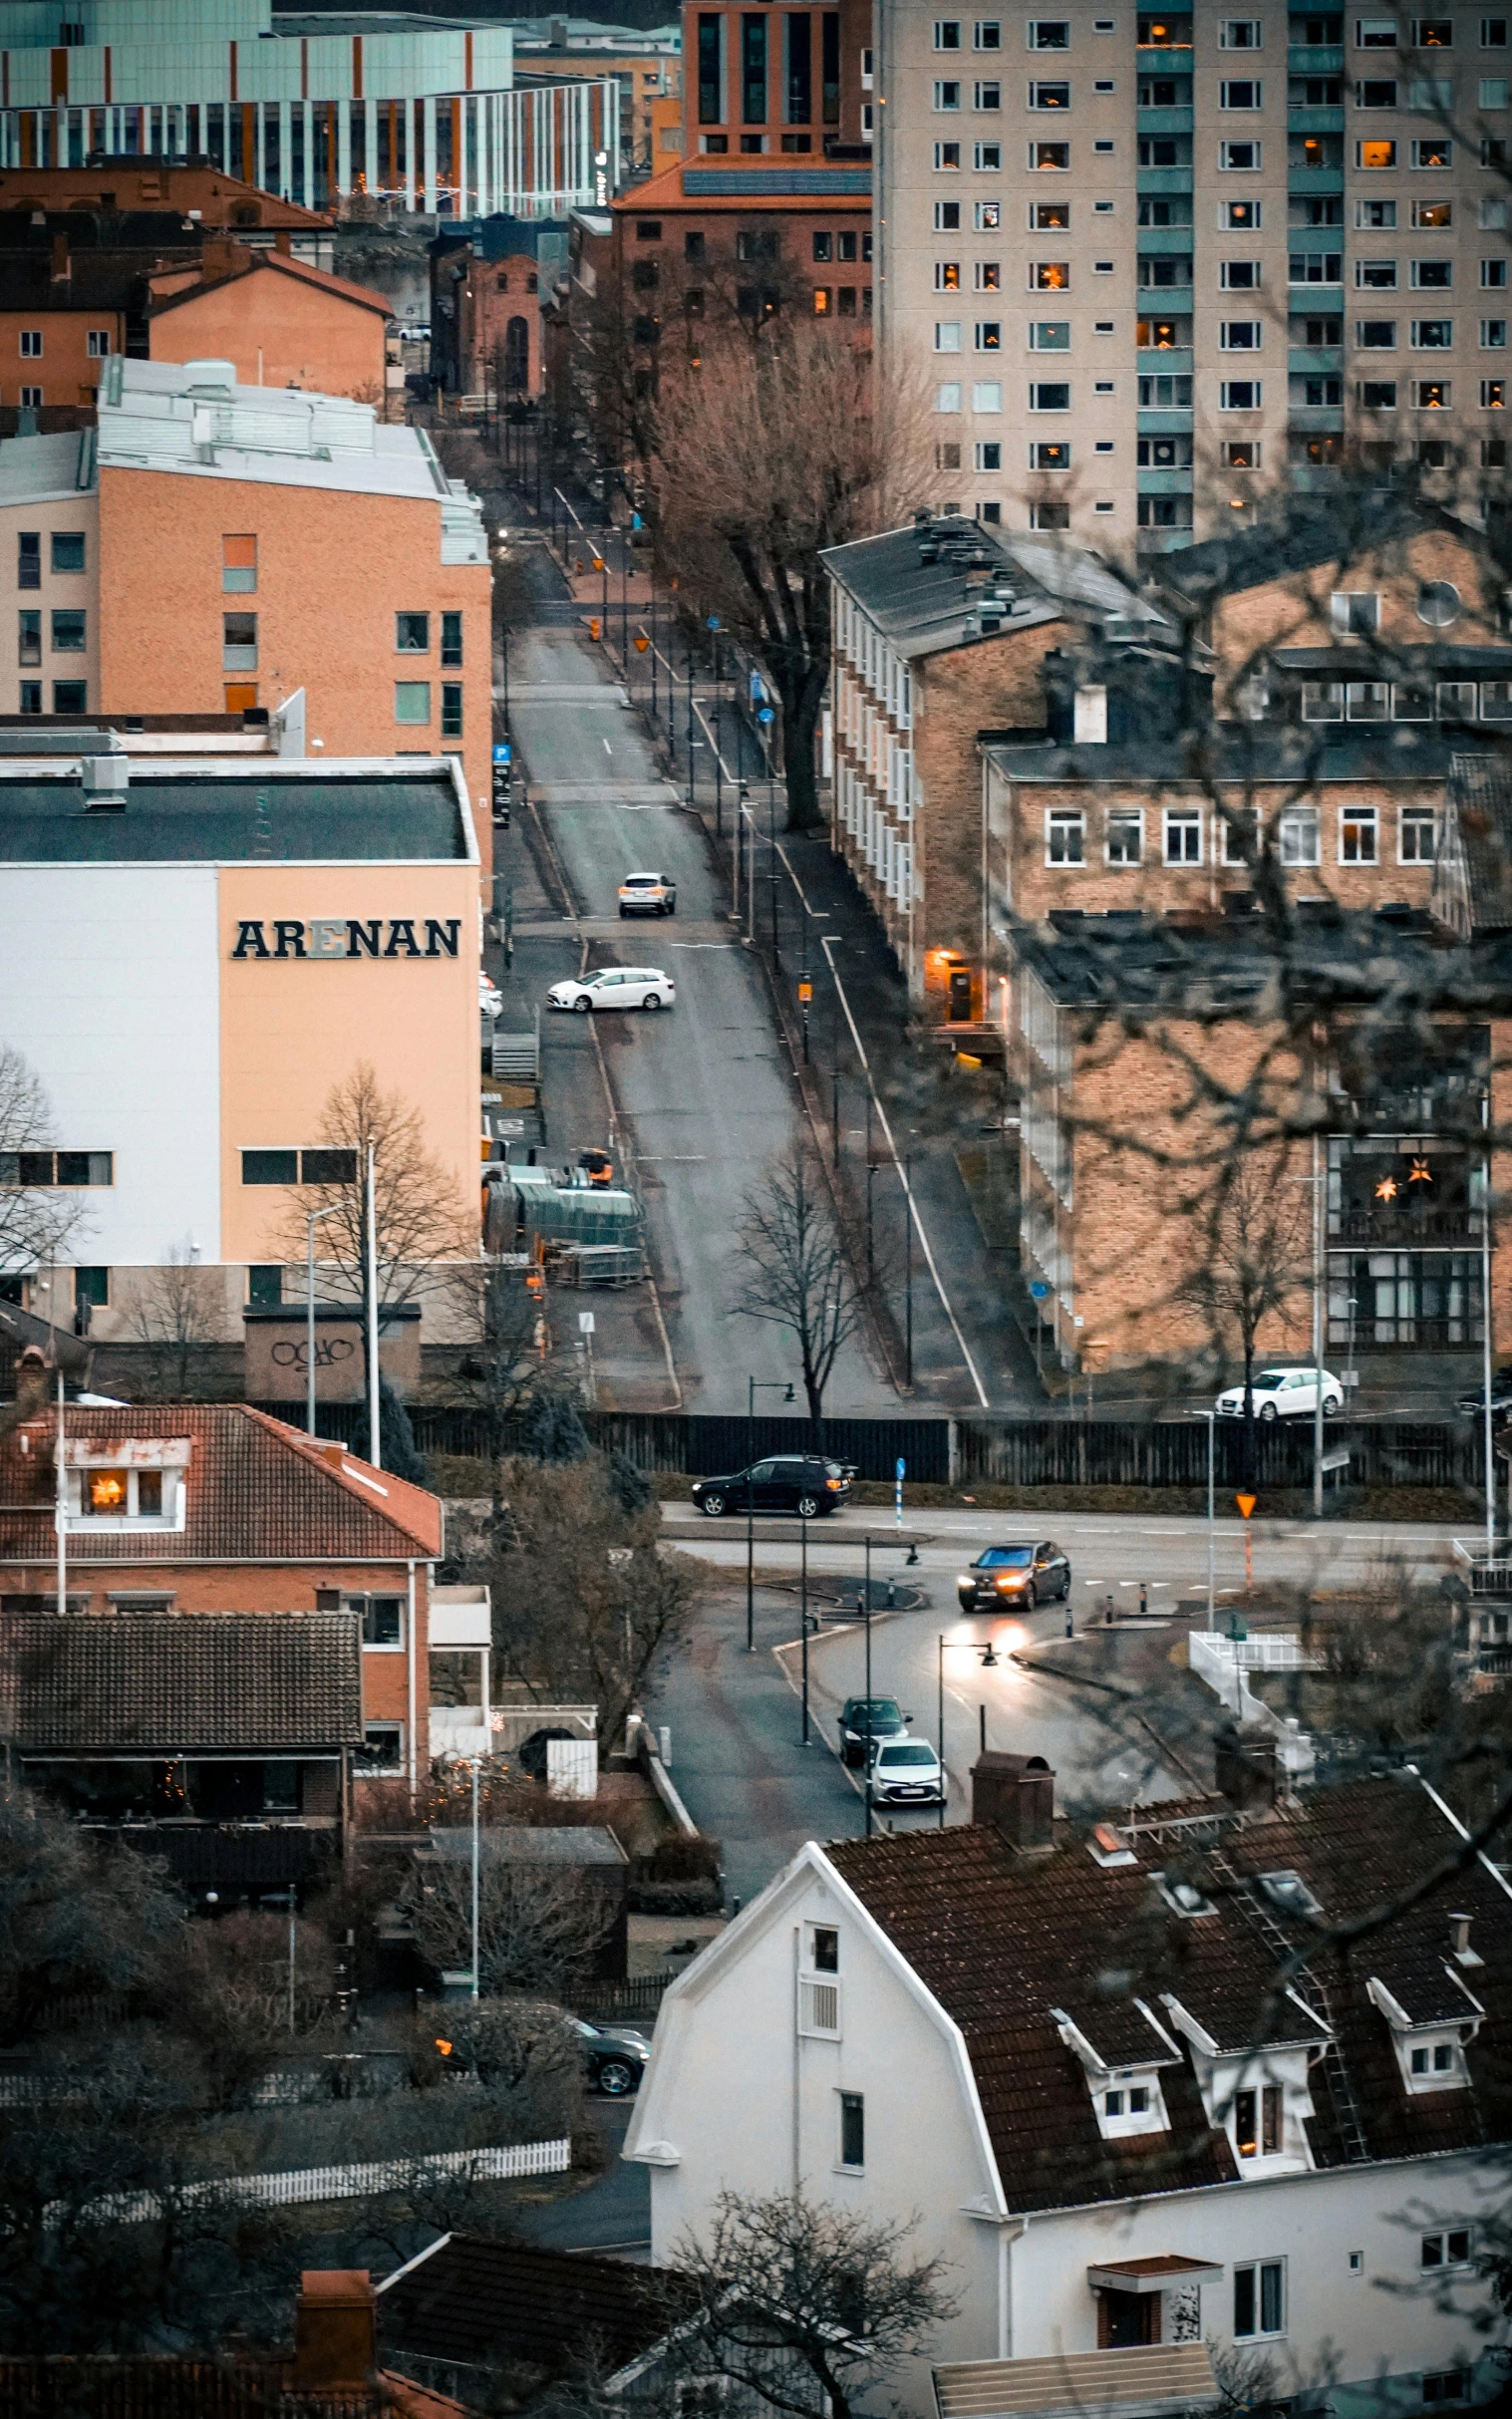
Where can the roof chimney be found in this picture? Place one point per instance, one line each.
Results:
(283, 243)
(32, 1382)
(1017, 1795)
(1459, 1939)
(335, 2330)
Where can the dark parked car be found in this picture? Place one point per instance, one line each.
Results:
(869, 1717)
(615, 2059)
(788, 1482)
(1014, 1574)
(1473, 1405)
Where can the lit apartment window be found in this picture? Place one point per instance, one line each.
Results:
(1050, 157)
(1050, 95)
(1356, 830)
(989, 336)
(1050, 335)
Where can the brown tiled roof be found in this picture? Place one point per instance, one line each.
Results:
(257, 1491)
(1005, 1941)
(171, 1683)
(473, 2301)
(168, 2385)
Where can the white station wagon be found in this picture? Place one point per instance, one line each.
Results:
(615, 986)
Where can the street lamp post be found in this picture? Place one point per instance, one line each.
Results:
(475, 1762)
(989, 1662)
(1212, 1435)
(312, 1220)
(908, 1269)
(804, 1608)
(771, 823)
(754, 1386)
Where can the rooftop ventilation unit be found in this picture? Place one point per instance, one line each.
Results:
(106, 781)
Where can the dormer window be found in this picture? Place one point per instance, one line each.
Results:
(1128, 2107)
(1441, 2059)
(120, 1486)
(1428, 2039)
(1258, 2122)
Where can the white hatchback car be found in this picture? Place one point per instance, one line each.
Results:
(905, 1772)
(1283, 1393)
(615, 986)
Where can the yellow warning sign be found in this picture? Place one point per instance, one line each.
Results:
(1246, 1504)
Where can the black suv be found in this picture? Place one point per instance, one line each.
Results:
(615, 2059)
(1014, 1574)
(787, 1482)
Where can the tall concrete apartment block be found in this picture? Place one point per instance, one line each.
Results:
(1155, 264)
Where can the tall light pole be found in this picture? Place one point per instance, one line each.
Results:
(908, 1269)
(476, 1762)
(1318, 1229)
(1485, 1326)
(754, 1386)
(804, 1608)
(989, 1662)
(312, 1220)
(374, 1441)
(1212, 1435)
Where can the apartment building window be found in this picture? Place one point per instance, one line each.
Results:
(1050, 455)
(1433, 394)
(1236, 215)
(1159, 270)
(411, 702)
(1377, 153)
(1049, 34)
(71, 697)
(58, 1168)
(317, 1165)
(1298, 835)
(1125, 836)
(1493, 33)
(946, 94)
(947, 335)
(1493, 92)
(852, 2131)
(1240, 394)
(68, 549)
(1376, 33)
(1243, 453)
(987, 96)
(1050, 335)
(1313, 269)
(989, 336)
(382, 1746)
(68, 630)
(947, 33)
(1050, 157)
(987, 35)
(1165, 393)
(1435, 152)
(1377, 93)
(1050, 95)
(1417, 837)
(988, 455)
(1065, 836)
(31, 399)
(412, 633)
(948, 397)
(1242, 157)
(452, 638)
(1183, 832)
(987, 158)
(1358, 825)
(29, 636)
(1493, 273)
(99, 344)
(1245, 96)
(1241, 276)
(1375, 213)
(1240, 34)
(710, 71)
(30, 344)
(987, 218)
(1375, 335)
(947, 223)
(754, 70)
(239, 565)
(1493, 335)
(1430, 276)
(1166, 512)
(1375, 276)
(947, 276)
(451, 710)
(987, 277)
(382, 1618)
(987, 395)
(1493, 396)
(1049, 276)
(1045, 396)
(29, 558)
(1259, 2299)
(1239, 335)
(1448, 2248)
(1044, 218)
(1052, 516)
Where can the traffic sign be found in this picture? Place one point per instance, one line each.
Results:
(1039, 1290)
(502, 751)
(1246, 1504)
(713, 622)
(805, 992)
(585, 1323)
(765, 714)
(641, 644)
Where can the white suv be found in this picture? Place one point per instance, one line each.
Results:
(1283, 1393)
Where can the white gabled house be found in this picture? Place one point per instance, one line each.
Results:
(1074, 2061)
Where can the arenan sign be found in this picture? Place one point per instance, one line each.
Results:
(325, 936)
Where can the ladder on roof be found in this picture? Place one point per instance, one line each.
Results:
(1314, 1995)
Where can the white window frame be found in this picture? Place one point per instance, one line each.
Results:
(1250, 84)
(1366, 819)
(1416, 821)
(1343, 618)
(1182, 819)
(1261, 2334)
(1122, 820)
(1299, 836)
(948, 335)
(987, 395)
(393, 1770)
(1253, 27)
(1067, 823)
(942, 106)
(1226, 343)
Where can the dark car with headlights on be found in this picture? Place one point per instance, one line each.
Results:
(864, 1720)
(1014, 1574)
(787, 1482)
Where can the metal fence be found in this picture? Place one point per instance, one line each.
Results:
(642, 1995)
(941, 1452)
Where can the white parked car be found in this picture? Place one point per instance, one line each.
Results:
(1283, 1393)
(905, 1772)
(490, 998)
(615, 986)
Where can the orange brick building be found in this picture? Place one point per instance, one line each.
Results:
(254, 543)
(280, 321)
(191, 190)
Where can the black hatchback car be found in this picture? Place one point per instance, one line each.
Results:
(1014, 1574)
(787, 1482)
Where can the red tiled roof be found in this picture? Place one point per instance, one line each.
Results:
(1006, 1944)
(155, 1684)
(256, 1491)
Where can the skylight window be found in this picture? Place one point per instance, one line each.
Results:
(1288, 1892)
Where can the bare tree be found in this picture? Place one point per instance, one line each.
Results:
(38, 1220)
(175, 1310)
(501, 1368)
(420, 1228)
(1255, 1262)
(797, 1269)
(805, 2307)
(765, 455)
(539, 1928)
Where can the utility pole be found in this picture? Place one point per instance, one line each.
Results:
(908, 1269)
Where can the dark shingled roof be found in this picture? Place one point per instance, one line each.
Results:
(256, 1491)
(1005, 1942)
(181, 1683)
(471, 2301)
(204, 817)
(1302, 538)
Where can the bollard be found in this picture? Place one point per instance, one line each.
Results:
(1070, 1629)
(892, 1594)
(1144, 1601)
(1107, 1611)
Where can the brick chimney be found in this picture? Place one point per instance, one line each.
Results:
(222, 256)
(34, 1382)
(283, 242)
(335, 2330)
(1017, 1795)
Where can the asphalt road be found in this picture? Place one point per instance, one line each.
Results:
(611, 2215)
(705, 1095)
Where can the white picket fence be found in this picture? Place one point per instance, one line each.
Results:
(1223, 1662)
(358, 2179)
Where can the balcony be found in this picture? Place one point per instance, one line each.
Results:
(1301, 180)
(1319, 361)
(1180, 181)
(1326, 119)
(1315, 420)
(1379, 1228)
(1165, 424)
(1165, 482)
(1164, 122)
(1161, 242)
(1314, 59)
(1177, 360)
